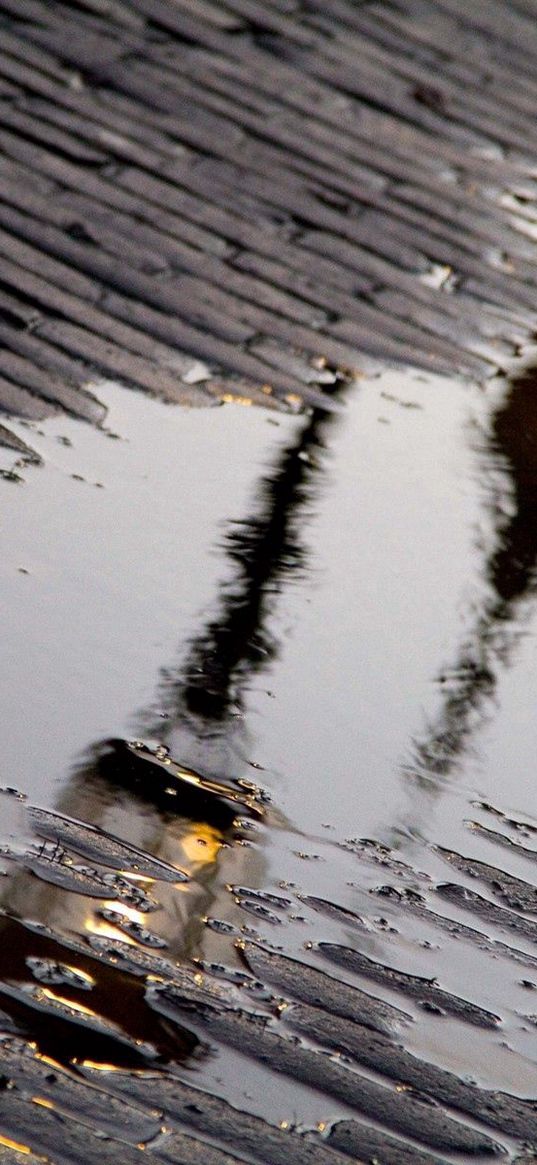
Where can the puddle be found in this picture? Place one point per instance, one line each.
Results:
(135, 563)
(331, 620)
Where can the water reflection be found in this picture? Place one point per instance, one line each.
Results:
(467, 687)
(194, 827)
(266, 552)
(109, 1023)
(199, 826)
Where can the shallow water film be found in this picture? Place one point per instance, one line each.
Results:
(269, 816)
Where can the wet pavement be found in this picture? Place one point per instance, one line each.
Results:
(268, 822)
(283, 712)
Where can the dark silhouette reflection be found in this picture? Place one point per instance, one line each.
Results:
(513, 567)
(195, 822)
(510, 575)
(266, 551)
(153, 775)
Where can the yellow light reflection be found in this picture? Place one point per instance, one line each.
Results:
(81, 974)
(189, 777)
(40, 1100)
(202, 846)
(127, 912)
(98, 1066)
(229, 399)
(106, 930)
(48, 1060)
(78, 1007)
(9, 1144)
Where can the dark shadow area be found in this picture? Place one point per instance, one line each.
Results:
(108, 1023)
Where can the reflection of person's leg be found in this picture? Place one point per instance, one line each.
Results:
(468, 685)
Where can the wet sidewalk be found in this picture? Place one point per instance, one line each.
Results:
(268, 828)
